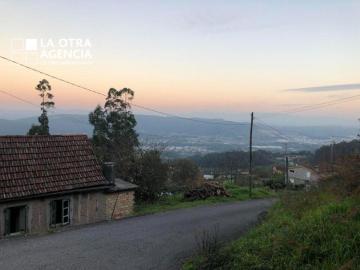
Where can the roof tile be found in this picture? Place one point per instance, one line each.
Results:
(36, 165)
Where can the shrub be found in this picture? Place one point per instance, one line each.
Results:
(150, 175)
(184, 174)
(316, 232)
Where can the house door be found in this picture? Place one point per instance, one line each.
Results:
(15, 220)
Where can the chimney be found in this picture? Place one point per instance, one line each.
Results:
(108, 171)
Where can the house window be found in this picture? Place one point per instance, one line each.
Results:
(59, 212)
(15, 220)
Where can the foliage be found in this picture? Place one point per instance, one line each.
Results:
(43, 128)
(348, 170)
(263, 171)
(277, 181)
(234, 159)
(305, 230)
(176, 201)
(184, 174)
(322, 156)
(150, 175)
(208, 244)
(114, 136)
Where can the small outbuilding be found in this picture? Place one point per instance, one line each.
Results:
(48, 182)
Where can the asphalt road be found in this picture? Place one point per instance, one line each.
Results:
(159, 241)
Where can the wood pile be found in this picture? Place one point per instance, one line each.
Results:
(208, 189)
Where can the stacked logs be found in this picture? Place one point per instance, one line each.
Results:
(208, 189)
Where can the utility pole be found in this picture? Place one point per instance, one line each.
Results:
(286, 171)
(286, 166)
(250, 155)
(332, 155)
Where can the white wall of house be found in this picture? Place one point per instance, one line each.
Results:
(300, 175)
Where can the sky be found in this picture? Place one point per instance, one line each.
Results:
(214, 59)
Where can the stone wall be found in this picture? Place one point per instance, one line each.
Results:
(89, 207)
(119, 204)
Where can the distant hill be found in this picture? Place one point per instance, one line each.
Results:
(197, 137)
(147, 124)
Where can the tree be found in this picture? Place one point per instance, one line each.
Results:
(347, 174)
(150, 175)
(114, 136)
(277, 181)
(185, 174)
(43, 128)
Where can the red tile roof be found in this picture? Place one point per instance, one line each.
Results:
(37, 165)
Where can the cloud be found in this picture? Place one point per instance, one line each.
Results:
(229, 19)
(327, 88)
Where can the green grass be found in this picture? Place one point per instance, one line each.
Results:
(313, 230)
(167, 203)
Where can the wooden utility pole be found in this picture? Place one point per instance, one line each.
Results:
(286, 166)
(250, 155)
(286, 171)
(332, 155)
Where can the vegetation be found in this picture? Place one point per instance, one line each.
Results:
(229, 165)
(114, 137)
(231, 161)
(318, 229)
(176, 201)
(323, 155)
(150, 175)
(277, 181)
(46, 103)
(184, 174)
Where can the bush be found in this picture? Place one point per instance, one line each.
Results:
(184, 174)
(348, 174)
(150, 175)
(306, 231)
(276, 182)
(315, 229)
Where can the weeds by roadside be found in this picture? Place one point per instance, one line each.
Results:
(176, 201)
(315, 230)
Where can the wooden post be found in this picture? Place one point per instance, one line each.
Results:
(286, 171)
(250, 155)
(332, 155)
(286, 166)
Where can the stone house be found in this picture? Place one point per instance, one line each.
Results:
(47, 182)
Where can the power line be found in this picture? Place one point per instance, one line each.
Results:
(280, 135)
(133, 104)
(315, 106)
(35, 105)
(323, 104)
(295, 110)
(273, 128)
(18, 98)
(51, 76)
(190, 119)
(166, 114)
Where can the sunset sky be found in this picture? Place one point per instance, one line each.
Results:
(215, 59)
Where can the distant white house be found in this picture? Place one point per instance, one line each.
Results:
(208, 176)
(300, 175)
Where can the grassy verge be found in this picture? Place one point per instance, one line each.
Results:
(314, 230)
(167, 203)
